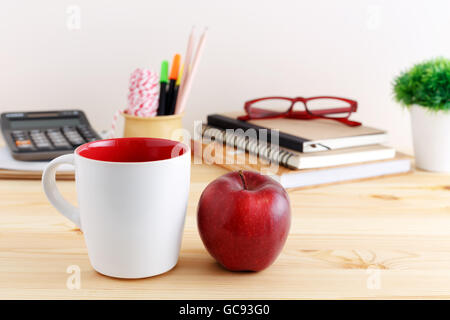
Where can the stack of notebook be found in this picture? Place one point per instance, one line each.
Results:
(307, 153)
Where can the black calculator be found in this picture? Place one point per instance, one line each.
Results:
(45, 135)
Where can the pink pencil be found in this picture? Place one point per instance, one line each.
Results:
(187, 69)
(192, 72)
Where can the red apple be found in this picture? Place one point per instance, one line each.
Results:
(243, 218)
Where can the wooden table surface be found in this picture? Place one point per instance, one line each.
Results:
(383, 238)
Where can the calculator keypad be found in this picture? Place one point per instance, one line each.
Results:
(87, 133)
(58, 139)
(22, 140)
(40, 140)
(65, 138)
(73, 136)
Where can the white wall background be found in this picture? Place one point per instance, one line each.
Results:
(350, 48)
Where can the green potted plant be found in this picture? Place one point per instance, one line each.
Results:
(425, 91)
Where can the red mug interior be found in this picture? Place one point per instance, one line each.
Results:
(131, 150)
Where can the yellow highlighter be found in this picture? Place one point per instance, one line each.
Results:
(177, 87)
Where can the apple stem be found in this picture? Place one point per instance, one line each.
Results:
(241, 174)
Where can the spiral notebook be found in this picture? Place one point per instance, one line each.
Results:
(296, 160)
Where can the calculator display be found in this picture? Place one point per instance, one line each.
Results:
(43, 123)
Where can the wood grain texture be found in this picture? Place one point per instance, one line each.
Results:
(396, 229)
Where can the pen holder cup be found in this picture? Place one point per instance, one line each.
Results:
(153, 127)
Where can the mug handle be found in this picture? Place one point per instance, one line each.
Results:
(51, 191)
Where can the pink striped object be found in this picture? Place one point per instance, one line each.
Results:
(142, 98)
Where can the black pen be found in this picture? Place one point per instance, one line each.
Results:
(170, 107)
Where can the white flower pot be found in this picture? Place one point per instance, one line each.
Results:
(431, 138)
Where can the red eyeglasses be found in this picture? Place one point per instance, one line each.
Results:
(324, 107)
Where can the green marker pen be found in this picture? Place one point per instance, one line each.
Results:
(164, 80)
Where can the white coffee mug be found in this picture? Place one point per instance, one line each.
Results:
(132, 198)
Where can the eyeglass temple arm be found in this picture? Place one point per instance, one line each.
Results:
(350, 122)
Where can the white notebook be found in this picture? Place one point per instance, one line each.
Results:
(331, 175)
(7, 162)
